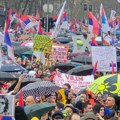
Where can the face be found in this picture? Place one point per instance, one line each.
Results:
(89, 108)
(82, 99)
(70, 95)
(110, 102)
(101, 111)
(30, 100)
(75, 117)
(65, 87)
(2, 105)
(40, 72)
(84, 96)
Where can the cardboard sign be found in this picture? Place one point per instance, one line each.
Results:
(7, 106)
(42, 43)
(105, 55)
(59, 53)
(76, 82)
(86, 44)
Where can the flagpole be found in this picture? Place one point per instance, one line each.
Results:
(47, 16)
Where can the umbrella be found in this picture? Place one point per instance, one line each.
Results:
(25, 82)
(40, 88)
(18, 50)
(27, 44)
(63, 40)
(38, 109)
(109, 84)
(10, 66)
(30, 52)
(5, 76)
(82, 59)
(66, 66)
(87, 69)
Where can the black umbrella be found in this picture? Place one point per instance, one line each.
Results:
(64, 67)
(81, 70)
(18, 50)
(11, 66)
(63, 39)
(82, 59)
(25, 82)
(38, 89)
(5, 76)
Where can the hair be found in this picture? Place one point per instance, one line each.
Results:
(85, 105)
(68, 85)
(6, 103)
(97, 108)
(70, 118)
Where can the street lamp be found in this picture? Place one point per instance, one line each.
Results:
(47, 8)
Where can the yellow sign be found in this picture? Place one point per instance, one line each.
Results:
(42, 43)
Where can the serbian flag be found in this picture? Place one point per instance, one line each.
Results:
(7, 39)
(39, 30)
(103, 20)
(113, 65)
(93, 25)
(65, 16)
(93, 42)
(21, 101)
(95, 68)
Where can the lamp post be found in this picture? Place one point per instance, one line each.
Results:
(47, 8)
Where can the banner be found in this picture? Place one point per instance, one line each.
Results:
(7, 106)
(59, 53)
(76, 82)
(105, 55)
(42, 43)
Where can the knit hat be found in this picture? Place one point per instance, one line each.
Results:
(90, 115)
(57, 115)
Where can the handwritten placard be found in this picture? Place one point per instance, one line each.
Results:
(59, 53)
(105, 55)
(42, 43)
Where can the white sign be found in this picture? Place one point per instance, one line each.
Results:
(105, 55)
(7, 106)
(86, 43)
(76, 82)
(59, 54)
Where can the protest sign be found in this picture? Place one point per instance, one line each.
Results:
(105, 55)
(86, 43)
(42, 43)
(59, 53)
(7, 106)
(76, 82)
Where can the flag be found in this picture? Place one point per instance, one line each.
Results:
(103, 20)
(113, 68)
(93, 25)
(28, 21)
(57, 24)
(7, 39)
(112, 15)
(95, 68)
(21, 101)
(112, 65)
(39, 30)
(93, 42)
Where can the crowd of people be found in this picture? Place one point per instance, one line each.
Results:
(84, 105)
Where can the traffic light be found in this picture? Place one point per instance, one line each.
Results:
(85, 7)
(90, 7)
(51, 23)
